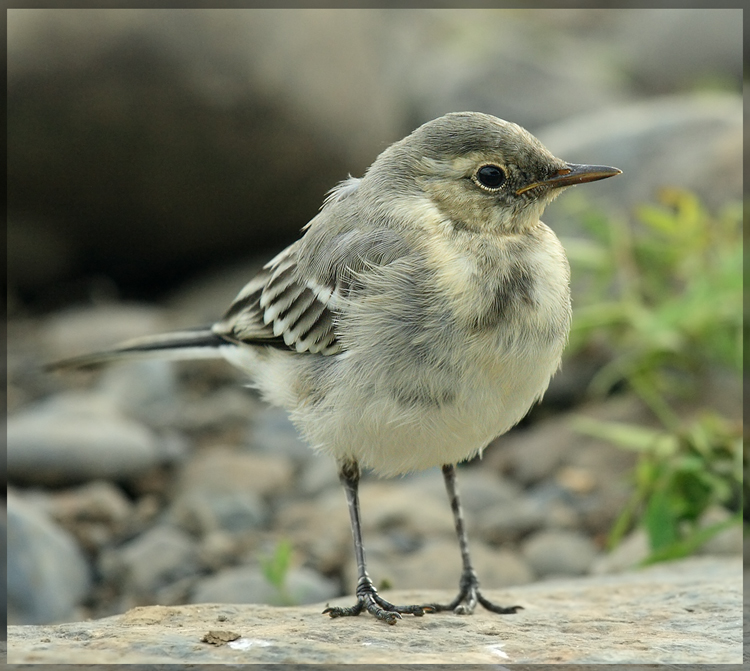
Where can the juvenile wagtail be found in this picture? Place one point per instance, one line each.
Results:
(420, 315)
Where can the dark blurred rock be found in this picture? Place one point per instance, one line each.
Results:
(126, 159)
(39, 252)
(4, 566)
(188, 140)
(504, 64)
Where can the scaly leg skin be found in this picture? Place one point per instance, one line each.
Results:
(367, 596)
(469, 594)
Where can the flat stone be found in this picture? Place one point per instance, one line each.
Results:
(512, 520)
(247, 584)
(84, 330)
(222, 469)
(76, 437)
(559, 552)
(687, 612)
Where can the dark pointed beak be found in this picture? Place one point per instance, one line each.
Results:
(573, 173)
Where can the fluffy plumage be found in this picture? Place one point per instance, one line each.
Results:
(421, 314)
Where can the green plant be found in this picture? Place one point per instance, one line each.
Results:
(275, 569)
(664, 296)
(678, 477)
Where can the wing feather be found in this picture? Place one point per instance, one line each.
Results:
(279, 308)
(296, 301)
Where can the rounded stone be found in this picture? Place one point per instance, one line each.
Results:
(48, 575)
(77, 437)
(247, 584)
(559, 553)
(151, 561)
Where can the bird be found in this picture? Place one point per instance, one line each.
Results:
(421, 314)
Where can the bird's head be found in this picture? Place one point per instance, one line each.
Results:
(480, 172)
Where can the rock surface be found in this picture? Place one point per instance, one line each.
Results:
(685, 612)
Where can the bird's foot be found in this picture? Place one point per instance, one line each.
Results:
(368, 599)
(468, 598)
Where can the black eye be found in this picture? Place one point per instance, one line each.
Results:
(490, 176)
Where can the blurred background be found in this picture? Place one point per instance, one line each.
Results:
(157, 157)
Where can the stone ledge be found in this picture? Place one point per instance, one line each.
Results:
(684, 612)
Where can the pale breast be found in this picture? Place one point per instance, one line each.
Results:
(433, 376)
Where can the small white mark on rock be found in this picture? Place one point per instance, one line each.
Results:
(496, 649)
(247, 643)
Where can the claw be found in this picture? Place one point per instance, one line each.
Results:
(368, 599)
(468, 597)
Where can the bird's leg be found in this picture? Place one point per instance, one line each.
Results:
(367, 596)
(469, 594)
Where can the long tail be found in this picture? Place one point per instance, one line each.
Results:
(200, 343)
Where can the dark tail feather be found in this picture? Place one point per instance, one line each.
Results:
(190, 344)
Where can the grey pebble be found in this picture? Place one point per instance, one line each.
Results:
(511, 520)
(437, 565)
(274, 433)
(96, 512)
(226, 489)
(206, 511)
(630, 551)
(75, 437)
(222, 468)
(247, 584)
(162, 555)
(224, 408)
(83, 330)
(318, 475)
(554, 552)
(47, 575)
(143, 389)
(479, 487)
(654, 141)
